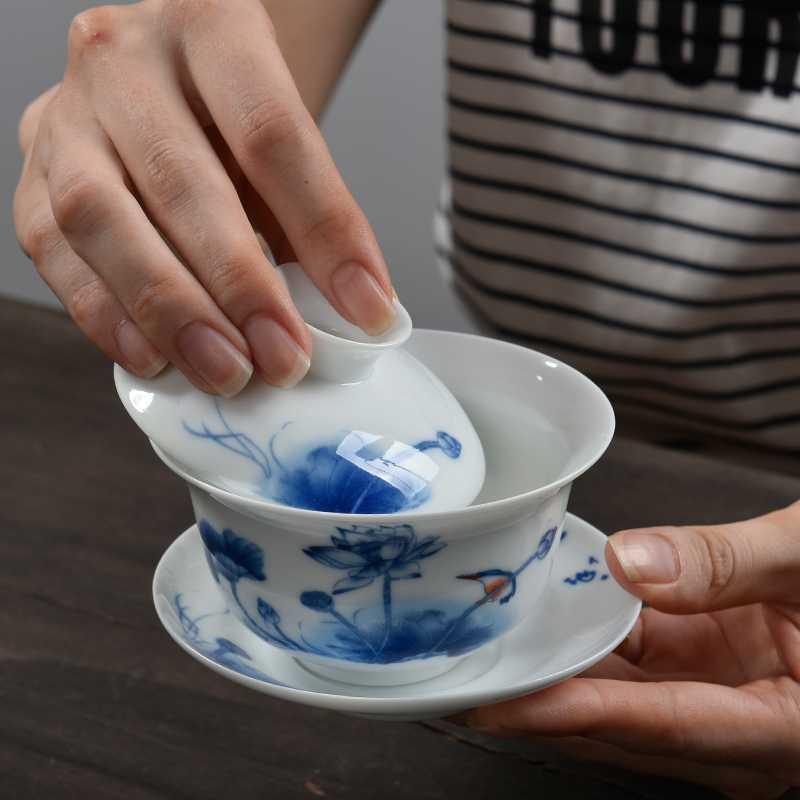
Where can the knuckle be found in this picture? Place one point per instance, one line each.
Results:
(93, 28)
(185, 13)
(229, 278)
(169, 171)
(720, 563)
(40, 239)
(77, 203)
(199, 7)
(152, 299)
(672, 729)
(266, 129)
(334, 227)
(85, 306)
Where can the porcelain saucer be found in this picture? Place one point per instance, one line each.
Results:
(584, 615)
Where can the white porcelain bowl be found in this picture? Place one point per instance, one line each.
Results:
(394, 598)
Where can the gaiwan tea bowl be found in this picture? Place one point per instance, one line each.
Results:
(388, 599)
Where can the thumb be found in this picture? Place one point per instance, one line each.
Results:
(693, 569)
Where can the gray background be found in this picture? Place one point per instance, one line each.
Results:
(385, 128)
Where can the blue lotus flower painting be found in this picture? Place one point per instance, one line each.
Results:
(370, 560)
(389, 552)
(233, 558)
(356, 473)
(386, 553)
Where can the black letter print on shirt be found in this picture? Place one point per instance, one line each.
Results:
(705, 41)
(750, 41)
(542, 20)
(753, 64)
(624, 30)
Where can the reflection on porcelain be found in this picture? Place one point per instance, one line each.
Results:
(141, 400)
(574, 630)
(387, 599)
(354, 473)
(370, 430)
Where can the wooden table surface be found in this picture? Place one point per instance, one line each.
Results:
(96, 701)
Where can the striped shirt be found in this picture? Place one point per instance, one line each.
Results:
(624, 193)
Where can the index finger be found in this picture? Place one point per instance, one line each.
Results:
(705, 722)
(258, 109)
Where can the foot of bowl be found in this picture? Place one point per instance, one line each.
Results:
(379, 674)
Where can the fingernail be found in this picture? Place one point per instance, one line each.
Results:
(214, 359)
(362, 298)
(646, 557)
(140, 356)
(280, 359)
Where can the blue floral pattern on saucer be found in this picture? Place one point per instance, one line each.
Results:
(222, 650)
(381, 631)
(587, 575)
(360, 473)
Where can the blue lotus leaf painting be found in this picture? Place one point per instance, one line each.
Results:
(369, 561)
(231, 556)
(356, 473)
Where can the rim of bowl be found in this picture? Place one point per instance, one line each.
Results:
(239, 502)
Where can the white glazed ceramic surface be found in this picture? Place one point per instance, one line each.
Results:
(369, 430)
(388, 599)
(379, 604)
(583, 617)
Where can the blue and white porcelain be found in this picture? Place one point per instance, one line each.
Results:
(370, 430)
(387, 599)
(580, 619)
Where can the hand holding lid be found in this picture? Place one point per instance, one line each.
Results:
(369, 430)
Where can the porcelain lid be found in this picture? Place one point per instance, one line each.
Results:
(369, 430)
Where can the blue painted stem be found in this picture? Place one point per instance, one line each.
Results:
(275, 458)
(247, 443)
(186, 621)
(460, 620)
(364, 493)
(286, 638)
(330, 477)
(284, 641)
(535, 556)
(245, 446)
(387, 610)
(352, 628)
(428, 444)
(516, 573)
